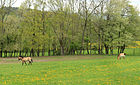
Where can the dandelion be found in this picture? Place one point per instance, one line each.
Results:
(32, 80)
(70, 70)
(139, 78)
(104, 65)
(118, 81)
(17, 75)
(45, 75)
(48, 78)
(4, 82)
(43, 79)
(37, 78)
(89, 81)
(60, 81)
(22, 80)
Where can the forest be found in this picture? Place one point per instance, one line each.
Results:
(67, 27)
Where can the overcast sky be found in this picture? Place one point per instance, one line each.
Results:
(17, 4)
(136, 3)
(133, 2)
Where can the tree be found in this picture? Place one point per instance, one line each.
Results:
(34, 27)
(63, 24)
(118, 32)
(5, 9)
(87, 9)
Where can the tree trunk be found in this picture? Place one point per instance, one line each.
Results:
(23, 53)
(49, 52)
(83, 51)
(119, 42)
(38, 51)
(102, 47)
(106, 49)
(85, 26)
(118, 50)
(122, 48)
(111, 50)
(43, 52)
(26, 53)
(20, 53)
(62, 50)
(5, 53)
(11, 55)
(1, 53)
(61, 45)
(14, 53)
(32, 52)
(53, 52)
(87, 48)
(90, 49)
(2, 26)
(99, 44)
(74, 51)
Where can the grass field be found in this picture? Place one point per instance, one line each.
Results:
(71, 70)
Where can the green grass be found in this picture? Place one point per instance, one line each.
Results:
(105, 70)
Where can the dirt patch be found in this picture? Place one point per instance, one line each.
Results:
(51, 58)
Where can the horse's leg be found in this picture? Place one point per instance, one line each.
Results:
(29, 62)
(25, 63)
(22, 62)
(123, 57)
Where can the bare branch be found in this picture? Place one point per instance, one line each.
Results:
(96, 7)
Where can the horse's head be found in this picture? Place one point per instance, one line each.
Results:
(20, 58)
(124, 53)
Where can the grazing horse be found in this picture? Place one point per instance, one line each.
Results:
(121, 55)
(25, 59)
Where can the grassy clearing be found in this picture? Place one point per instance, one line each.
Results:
(73, 70)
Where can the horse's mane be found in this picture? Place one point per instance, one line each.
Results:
(21, 56)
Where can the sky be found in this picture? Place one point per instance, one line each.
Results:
(18, 3)
(136, 3)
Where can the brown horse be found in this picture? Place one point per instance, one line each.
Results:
(121, 55)
(25, 59)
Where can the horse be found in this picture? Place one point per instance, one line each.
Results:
(25, 59)
(121, 55)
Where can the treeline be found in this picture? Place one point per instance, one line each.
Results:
(68, 26)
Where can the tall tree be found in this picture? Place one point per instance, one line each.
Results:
(5, 9)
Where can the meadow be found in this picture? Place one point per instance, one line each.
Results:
(71, 70)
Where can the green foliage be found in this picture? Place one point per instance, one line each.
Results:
(65, 26)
